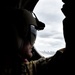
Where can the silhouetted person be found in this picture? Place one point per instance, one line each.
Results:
(16, 37)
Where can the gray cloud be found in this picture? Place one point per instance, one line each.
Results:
(51, 38)
(50, 17)
(50, 33)
(49, 10)
(48, 52)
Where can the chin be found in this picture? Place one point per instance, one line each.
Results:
(30, 55)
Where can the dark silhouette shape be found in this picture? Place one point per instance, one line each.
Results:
(12, 14)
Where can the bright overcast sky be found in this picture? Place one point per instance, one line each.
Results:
(51, 38)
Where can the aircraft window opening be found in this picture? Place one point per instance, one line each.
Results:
(50, 39)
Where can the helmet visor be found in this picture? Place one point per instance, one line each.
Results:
(33, 34)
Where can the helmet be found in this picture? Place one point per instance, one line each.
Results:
(27, 25)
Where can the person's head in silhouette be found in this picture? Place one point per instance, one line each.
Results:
(26, 45)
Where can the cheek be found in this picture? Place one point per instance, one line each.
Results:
(25, 50)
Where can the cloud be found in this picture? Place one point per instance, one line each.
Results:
(51, 38)
(51, 31)
(49, 10)
(47, 53)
